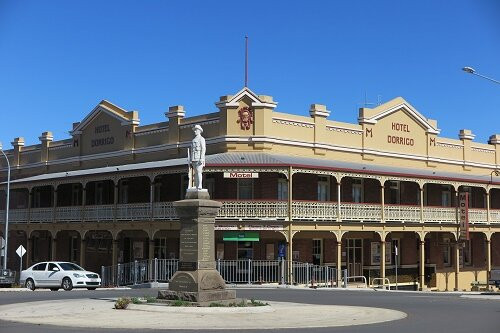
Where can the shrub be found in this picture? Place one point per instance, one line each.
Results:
(150, 299)
(122, 303)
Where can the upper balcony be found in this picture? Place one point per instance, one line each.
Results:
(314, 198)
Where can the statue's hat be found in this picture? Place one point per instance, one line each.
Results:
(198, 127)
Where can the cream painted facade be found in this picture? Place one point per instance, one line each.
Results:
(390, 178)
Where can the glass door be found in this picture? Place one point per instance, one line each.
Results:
(354, 256)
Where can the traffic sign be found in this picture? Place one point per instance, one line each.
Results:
(21, 251)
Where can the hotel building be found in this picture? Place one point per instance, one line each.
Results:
(303, 187)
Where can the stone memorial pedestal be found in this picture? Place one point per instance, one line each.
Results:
(197, 280)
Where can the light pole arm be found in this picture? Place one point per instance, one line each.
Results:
(6, 212)
(487, 78)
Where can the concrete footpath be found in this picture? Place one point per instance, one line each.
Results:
(100, 313)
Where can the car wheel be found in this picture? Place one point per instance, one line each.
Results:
(30, 284)
(67, 284)
(93, 288)
(54, 289)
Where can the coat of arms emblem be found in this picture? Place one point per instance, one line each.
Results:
(246, 117)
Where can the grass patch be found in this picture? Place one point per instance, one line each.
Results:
(242, 304)
(181, 303)
(257, 303)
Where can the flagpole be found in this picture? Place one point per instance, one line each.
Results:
(246, 61)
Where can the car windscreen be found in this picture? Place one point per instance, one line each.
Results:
(67, 266)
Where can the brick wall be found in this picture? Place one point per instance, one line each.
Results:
(305, 187)
(372, 191)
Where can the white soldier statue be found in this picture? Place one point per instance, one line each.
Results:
(196, 158)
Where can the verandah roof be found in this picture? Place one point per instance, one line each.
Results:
(249, 159)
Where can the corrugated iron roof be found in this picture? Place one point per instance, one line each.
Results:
(241, 159)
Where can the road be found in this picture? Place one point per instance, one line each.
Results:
(426, 312)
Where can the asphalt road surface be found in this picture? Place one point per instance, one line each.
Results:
(427, 312)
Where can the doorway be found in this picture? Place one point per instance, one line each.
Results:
(354, 256)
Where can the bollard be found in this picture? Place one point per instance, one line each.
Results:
(307, 273)
(345, 278)
(135, 271)
(156, 270)
(249, 271)
(102, 276)
(118, 275)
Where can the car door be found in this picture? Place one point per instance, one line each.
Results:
(53, 275)
(38, 273)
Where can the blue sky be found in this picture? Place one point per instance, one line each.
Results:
(58, 59)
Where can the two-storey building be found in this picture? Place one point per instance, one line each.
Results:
(308, 188)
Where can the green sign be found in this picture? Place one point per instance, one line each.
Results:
(241, 236)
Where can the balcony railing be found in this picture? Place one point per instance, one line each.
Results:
(99, 213)
(42, 215)
(134, 212)
(164, 211)
(69, 214)
(402, 213)
(440, 214)
(478, 215)
(360, 211)
(314, 210)
(252, 210)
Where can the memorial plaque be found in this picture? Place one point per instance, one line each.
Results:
(188, 265)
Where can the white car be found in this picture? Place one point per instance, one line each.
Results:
(59, 274)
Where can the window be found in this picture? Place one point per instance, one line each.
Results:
(245, 250)
(68, 266)
(52, 266)
(323, 189)
(157, 191)
(245, 189)
(446, 197)
(184, 185)
(317, 251)
(40, 267)
(466, 254)
(394, 192)
(446, 252)
(160, 249)
(73, 248)
(357, 190)
(99, 193)
(37, 198)
(270, 251)
(210, 185)
(282, 188)
(220, 251)
(75, 194)
(123, 195)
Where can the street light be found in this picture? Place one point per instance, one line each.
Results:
(471, 70)
(6, 209)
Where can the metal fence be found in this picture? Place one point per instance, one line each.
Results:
(233, 271)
